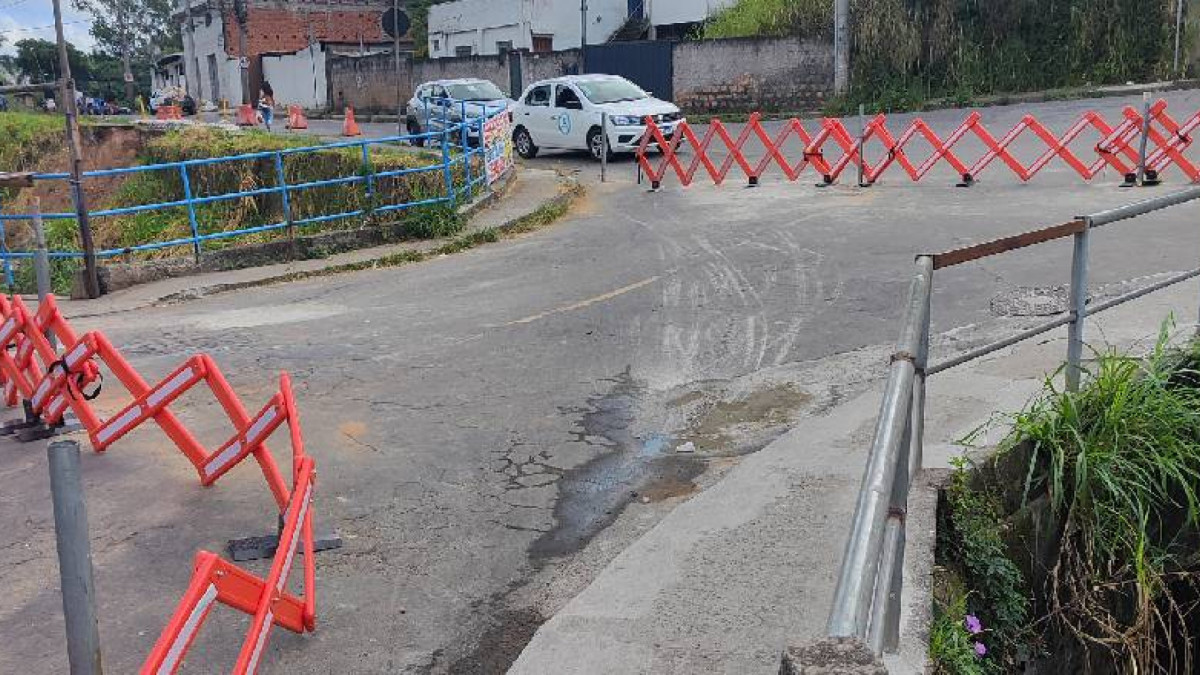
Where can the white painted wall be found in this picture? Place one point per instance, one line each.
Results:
(480, 24)
(298, 78)
(664, 12)
(209, 39)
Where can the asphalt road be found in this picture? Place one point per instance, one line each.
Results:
(491, 427)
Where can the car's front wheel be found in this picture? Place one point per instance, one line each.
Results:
(524, 143)
(595, 142)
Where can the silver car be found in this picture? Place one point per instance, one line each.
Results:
(448, 100)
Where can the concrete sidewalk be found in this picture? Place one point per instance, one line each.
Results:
(530, 190)
(730, 578)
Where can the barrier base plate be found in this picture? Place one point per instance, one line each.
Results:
(13, 426)
(40, 432)
(259, 548)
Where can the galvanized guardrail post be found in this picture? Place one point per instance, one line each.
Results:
(1141, 167)
(1078, 309)
(370, 182)
(603, 147)
(74, 559)
(191, 207)
(448, 174)
(466, 148)
(855, 594)
(862, 145)
(285, 197)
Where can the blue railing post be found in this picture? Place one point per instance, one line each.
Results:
(366, 160)
(191, 207)
(281, 179)
(447, 173)
(466, 148)
(428, 115)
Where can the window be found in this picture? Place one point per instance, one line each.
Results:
(475, 91)
(611, 90)
(462, 51)
(539, 96)
(543, 44)
(567, 98)
(437, 45)
(503, 47)
(208, 19)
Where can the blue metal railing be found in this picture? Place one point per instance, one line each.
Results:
(453, 152)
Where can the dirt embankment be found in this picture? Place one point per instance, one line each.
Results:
(104, 147)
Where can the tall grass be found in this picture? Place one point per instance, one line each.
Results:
(1119, 462)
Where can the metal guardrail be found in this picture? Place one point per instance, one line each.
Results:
(866, 603)
(451, 134)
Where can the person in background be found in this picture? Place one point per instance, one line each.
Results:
(50, 105)
(266, 103)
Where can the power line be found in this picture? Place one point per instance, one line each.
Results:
(37, 28)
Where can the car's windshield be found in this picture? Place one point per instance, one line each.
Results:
(475, 91)
(610, 90)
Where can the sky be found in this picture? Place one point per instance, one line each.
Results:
(20, 19)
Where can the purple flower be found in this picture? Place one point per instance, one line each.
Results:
(980, 650)
(974, 625)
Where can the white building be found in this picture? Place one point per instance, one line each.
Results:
(168, 72)
(484, 27)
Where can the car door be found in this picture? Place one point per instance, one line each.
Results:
(570, 121)
(535, 115)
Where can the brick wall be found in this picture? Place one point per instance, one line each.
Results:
(282, 31)
(748, 74)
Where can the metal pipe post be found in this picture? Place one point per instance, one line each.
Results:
(447, 173)
(74, 559)
(281, 178)
(1079, 296)
(41, 256)
(856, 581)
(396, 54)
(603, 147)
(1141, 167)
(191, 207)
(862, 144)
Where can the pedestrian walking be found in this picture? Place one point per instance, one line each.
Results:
(266, 104)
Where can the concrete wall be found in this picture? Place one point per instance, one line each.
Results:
(480, 24)
(746, 74)
(368, 83)
(298, 78)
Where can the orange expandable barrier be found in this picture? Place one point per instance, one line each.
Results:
(246, 116)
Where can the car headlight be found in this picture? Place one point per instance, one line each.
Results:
(626, 120)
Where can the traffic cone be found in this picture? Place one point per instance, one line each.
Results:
(296, 118)
(350, 127)
(246, 117)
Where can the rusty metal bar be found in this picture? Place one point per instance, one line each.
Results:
(959, 256)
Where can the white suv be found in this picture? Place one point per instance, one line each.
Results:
(565, 113)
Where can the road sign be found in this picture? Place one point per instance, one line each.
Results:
(396, 23)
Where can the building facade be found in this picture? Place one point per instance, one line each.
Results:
(286, 42)
(487, 27)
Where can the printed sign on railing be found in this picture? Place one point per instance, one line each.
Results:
(497, 143)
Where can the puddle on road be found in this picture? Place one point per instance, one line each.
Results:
(591, 496)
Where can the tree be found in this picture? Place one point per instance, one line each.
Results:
(38, 59)
(133, 30)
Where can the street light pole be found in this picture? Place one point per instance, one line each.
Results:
(1178, 34)
(841, 46)
(241, 13)
(91, 280)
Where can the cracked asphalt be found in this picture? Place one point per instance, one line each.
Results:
(490, 428)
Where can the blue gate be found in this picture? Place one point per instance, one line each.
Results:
(648, 64)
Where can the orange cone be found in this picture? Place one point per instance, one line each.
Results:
(246, 116)
(296, 118)
(350, 127)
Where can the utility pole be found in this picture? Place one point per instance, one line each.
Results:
(123, 26)
(91, 280)
(193, 87)
(242, 12)
(841, 46)
(1178, 35)
(396, 51)
(583, 10)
